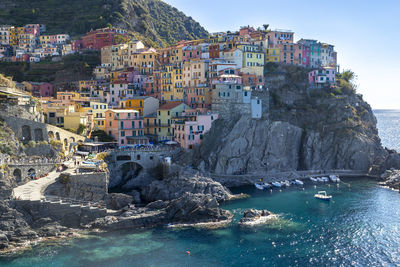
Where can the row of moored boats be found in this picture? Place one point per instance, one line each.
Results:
(287, 183)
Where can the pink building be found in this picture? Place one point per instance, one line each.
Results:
(32, 29)
(125, 126)
(191, 52)
(322, 76)
(190, 127)
(41, 89)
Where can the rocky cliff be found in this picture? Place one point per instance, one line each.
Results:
(301, 129)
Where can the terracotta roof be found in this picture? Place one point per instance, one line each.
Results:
(170, 105)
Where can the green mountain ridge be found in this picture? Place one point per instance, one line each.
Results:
(153, 21)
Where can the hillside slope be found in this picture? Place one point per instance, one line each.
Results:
(153, 21)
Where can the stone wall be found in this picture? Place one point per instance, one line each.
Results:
(20, 173)
(27, 130)
(88, 186)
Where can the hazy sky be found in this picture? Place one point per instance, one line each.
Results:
(366, 34)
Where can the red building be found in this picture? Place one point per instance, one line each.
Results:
(100, 38)
(214, 50)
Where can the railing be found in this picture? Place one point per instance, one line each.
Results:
(71, 201)
(29, 161)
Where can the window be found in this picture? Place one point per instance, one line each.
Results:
(122, 133)
(122, 125)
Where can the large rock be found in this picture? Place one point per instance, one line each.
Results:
(117, 201)
(256, 217)
(174, 187)
(315, 133)
(3, 241)
(196, 208)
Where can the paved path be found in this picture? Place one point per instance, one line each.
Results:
(34, 190)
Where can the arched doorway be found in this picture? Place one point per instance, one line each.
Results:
(38, 134)
(50, 134)
(17, 175)
(65, 143)
(58, 136)
(31, 173)
(26, 133)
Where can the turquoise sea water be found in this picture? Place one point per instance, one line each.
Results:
(360, 227)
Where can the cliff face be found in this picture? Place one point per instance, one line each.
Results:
(301, 130)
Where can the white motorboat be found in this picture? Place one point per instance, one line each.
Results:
(334, 178)
(325, 179)
(322, 195)
(285, 183)
(319, 179)
(298, 182)
(276, 184)
(313, 179)
(267, 185)
(259, 186)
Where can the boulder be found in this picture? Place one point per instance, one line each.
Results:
(195, 208)
(174, 187)
(255, 217)
(117, 201)
(3, 241)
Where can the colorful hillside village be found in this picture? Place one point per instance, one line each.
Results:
(142, 95)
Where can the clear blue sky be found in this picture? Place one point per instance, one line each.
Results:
(366, 34)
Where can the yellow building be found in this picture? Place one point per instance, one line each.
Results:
(44, 39)
(253, 59)
(94, 111)
(13, 36)
(164, 118)
(167, 87)
(177, 82)
(87, 84)
(135, 104)
(176, 54)
(144, 60)
(272, 55)
(67, 97)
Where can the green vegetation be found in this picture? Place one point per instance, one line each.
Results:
(71, 67)
(81, 128)
(102, 136)
(346, 81)
(153, 21)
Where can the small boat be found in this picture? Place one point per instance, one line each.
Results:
(334, 178)
(325, 179)
(259, 186)
(319, 179)
(292, 182)
(313, 179)
(267, 185)
(276, 184)
(286, 183)
(322, 195)
(298, 182)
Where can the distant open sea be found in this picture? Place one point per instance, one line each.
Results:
(389, 127)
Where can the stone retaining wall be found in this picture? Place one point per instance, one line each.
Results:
(88, 186)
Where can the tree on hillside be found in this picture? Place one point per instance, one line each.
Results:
(347, 80)
(265, 26)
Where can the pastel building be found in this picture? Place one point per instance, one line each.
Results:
(125, 126)
(40, 89)
(164, 118)
(322, 76)
(190, 127)
(146, 105)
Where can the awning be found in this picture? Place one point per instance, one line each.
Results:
(82, 153)
(171, 143)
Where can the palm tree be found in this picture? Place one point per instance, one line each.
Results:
(346, 79)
